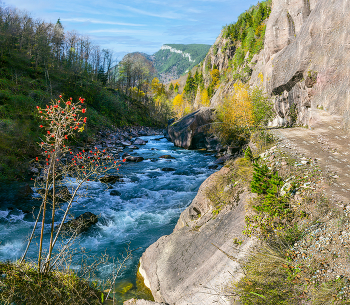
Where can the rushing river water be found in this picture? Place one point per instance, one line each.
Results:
(148, 207)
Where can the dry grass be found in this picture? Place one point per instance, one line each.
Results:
(23, 284)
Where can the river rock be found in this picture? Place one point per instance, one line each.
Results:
(190, 132)
(110, 179)
(62, 194)
(133, 147)
(168, 169)
(179, 268)
(166, 157)
(114, 193)
(79, 224)
(125, 155)
(134, 159)
(139, 141)
(125, 143)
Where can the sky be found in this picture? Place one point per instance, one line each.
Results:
(138, 25)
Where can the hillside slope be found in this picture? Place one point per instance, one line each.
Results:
(173, 60)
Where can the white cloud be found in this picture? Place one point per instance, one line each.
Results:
(99, 21)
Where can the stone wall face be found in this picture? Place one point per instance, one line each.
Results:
(319, 50)
(180, 267)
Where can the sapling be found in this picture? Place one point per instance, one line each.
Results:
(61, 166)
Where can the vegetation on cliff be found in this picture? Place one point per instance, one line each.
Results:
(238, 44)
(292, 218)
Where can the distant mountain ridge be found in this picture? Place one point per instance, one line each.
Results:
(173, 60)
(166, 47)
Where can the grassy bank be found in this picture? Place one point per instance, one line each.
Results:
(303, 258)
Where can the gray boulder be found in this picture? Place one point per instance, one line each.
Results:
(80, 224)
(110, 179)
(191, 131)
(134, 159)
(168, 169)
(114, 193)
(166, 157)
(62, 194)
(126, 143)
(139, 141)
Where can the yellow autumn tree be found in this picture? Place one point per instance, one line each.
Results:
(247, 109)
(235, 115)
(205, 101)
(181, 106)
(215, 78)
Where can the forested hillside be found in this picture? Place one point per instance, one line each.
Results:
(173, 60)
(40, 61)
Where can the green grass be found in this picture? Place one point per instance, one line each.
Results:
(23, 284)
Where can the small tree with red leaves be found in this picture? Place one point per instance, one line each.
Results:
(64, 171)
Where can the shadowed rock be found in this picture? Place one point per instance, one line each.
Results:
(111, 179)
(191, 131)
(168, 169)
(80, 224)
(134, 159)
(115, 193)
(62, 194)
(166, 157)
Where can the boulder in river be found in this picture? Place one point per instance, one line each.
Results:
(166, 157)
(139, 141)
(62, 194)
(125, 143)
(115, 193)
(80, 224)
(191, 131)
(111, 179)
(133, 147)
(168, 169)
(125, 155)
(134, 159)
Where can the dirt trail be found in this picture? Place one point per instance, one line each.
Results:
(326, 141)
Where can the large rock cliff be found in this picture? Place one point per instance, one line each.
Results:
(196, 263)
(304, 62)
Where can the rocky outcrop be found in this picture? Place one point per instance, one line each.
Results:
(196, 263)
(191, 131)
(305, 59)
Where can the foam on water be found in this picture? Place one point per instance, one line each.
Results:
(148, 207)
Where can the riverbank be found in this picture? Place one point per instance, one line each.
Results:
(139, 208)
(213, 254)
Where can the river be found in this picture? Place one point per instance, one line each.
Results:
(147, 208)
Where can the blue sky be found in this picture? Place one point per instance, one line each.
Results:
(139, 25)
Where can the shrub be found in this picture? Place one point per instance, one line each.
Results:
(22, 283)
